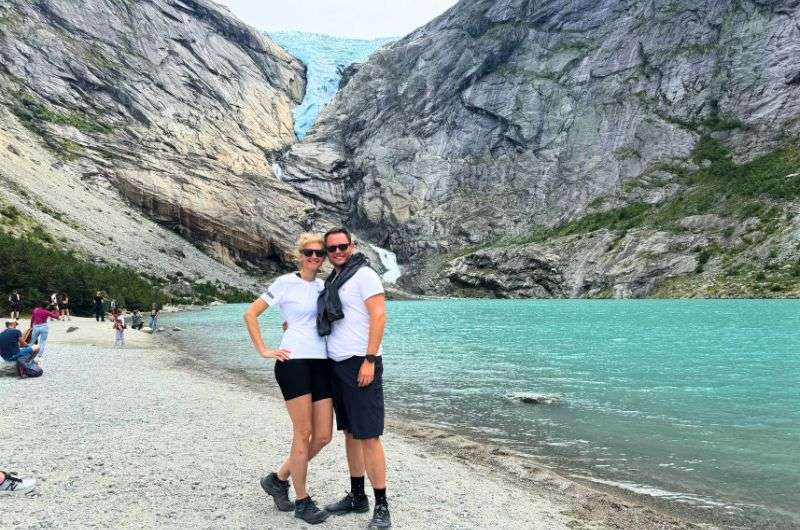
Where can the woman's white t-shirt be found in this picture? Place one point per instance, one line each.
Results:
(297, 300)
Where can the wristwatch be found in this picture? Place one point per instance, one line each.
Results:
(370, 358)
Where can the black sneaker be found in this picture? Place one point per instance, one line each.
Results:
(381, 517)
(350, 504)
(307, 510)
(279, 490)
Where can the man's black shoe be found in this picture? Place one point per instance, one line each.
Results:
(350, 504)
(279, 491)
(307, 510)
(381, 517)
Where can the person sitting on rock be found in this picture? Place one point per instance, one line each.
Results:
(137, 322)
(13, 347)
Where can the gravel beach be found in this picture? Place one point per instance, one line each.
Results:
(148, 437)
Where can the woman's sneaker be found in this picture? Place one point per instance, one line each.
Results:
(279, 489)
(14, 484)
(307, 510)
(349, 504)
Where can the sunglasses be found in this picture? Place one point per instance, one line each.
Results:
(308, 252)
(340, 247)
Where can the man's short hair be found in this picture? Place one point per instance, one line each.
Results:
(10, 323)
(337, 231)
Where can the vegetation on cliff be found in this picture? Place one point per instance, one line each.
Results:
(34, 264)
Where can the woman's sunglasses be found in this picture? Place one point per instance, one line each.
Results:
(308, 252)
(341, 247)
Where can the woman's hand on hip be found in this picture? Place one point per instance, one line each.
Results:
(280, 354)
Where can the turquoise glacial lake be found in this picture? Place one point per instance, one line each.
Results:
(691, 402)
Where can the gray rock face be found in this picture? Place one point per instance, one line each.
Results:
(175, 105)
(600, 264)
(504, 114)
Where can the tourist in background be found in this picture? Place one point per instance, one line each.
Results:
(41, 314)
(303, 373)
(54, 299)
(119, 327)
(154, 317)
(137, 322)
(63, 306)
(98, 307)
(13, 346)
(15, 304)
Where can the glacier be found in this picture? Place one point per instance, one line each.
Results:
(325, 56)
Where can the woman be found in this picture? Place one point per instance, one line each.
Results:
(303, 373)
(39, 317)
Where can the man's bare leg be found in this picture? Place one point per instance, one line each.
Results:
(375, 462)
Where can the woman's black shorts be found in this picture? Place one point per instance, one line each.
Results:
(298, 377)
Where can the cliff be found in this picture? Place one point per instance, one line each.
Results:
(144, 133)
(551, 148)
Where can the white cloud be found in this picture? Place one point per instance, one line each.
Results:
(363, 19)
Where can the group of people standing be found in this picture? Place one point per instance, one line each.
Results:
(329, 362)
(59, 301)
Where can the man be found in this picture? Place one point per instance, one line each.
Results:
(351, 313)
(12, 347)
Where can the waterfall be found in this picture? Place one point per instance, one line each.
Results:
(389, 261)
(277, 170)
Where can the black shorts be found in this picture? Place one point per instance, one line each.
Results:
(298, 377)
(359, 411)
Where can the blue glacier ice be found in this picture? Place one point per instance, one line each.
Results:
(324, 56)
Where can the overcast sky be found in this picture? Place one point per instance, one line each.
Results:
(362, 19)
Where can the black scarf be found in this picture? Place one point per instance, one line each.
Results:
(329, 306)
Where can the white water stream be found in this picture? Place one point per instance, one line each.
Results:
(389, 260)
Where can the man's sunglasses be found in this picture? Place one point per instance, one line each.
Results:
(341, 247)
(308, 252)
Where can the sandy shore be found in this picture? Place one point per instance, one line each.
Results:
(147, 437)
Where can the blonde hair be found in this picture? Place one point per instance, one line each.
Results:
(307, 238)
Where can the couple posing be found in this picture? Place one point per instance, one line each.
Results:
(329, 360)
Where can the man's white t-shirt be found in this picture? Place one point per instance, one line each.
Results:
(349, 335)
(297, 300)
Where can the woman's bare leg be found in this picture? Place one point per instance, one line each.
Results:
(321, 432)
(300, 412)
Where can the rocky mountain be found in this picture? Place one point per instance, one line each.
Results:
(585, 148)
(144, 133)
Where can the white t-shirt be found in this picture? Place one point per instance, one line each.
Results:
(349, 335)
(297, 300)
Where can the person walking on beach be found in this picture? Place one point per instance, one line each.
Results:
(154, 311)
(119, 327)
(15, 304)
(303, 372)
(41, 314)
(98, 307)
(352, 315)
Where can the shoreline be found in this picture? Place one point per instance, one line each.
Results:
(152, 436)
(609, 506)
